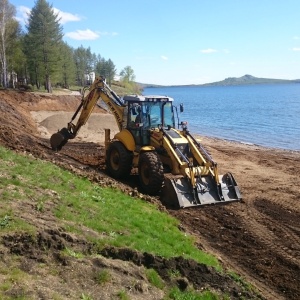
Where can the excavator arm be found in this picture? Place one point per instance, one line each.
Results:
(99, 89)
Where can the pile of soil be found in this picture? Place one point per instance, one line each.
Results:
(258, 238)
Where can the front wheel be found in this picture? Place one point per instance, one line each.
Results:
(151, 172)
(118, 160)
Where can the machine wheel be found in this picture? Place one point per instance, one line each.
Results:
(119, 160)
(151, 172)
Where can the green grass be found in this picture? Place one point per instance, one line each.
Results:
(123, 295)
(119, 219)
(14, 277)
(103, 276)
(82, 207)
(176, 294)
(9, 222)
(85, 297)
(155, 279)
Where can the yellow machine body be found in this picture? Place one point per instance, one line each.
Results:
(170, 161)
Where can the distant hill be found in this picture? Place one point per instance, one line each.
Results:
(148, 85)
(244, 80)
(249, 79)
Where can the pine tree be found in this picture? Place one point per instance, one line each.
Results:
(67, 65)
(101, 66)
(43, 43)
(111, 71)
(85, 64)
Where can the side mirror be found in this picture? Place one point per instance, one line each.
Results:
(181, 107)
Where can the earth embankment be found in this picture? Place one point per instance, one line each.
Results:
(258, 238)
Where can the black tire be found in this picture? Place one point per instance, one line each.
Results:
(151, 172)
(118, 160)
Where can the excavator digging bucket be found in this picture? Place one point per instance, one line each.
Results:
(178, 192)
(60, 138)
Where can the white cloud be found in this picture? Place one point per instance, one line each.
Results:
(83, 35)
(65, 16)
(22, 14)
(102, 33)
(296, 37)
(209, 50)
(296, 49)
(88, 34)
(164, 57)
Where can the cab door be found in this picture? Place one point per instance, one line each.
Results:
(138, 124)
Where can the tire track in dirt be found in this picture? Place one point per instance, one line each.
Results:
(270, 233)
(286, 221)
(219, 230)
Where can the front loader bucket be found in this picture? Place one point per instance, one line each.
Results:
(178, 192)
(60, 138)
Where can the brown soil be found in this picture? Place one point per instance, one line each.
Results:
(258, 238)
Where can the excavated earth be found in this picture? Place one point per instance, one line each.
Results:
(258, 238)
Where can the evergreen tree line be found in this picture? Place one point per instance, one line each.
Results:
(41, 58)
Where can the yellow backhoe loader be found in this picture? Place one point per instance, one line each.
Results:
(170, 161)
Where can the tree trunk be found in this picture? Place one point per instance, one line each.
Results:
(48, 83)
(3, 63)
(36, 78)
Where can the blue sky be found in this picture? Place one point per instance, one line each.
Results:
(172, 42)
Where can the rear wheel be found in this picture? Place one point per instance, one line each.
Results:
(151, 172)
(118, 160)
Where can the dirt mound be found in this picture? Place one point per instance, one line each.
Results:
(188, 272)
(46, 248)
(53, 274)
(258, 238)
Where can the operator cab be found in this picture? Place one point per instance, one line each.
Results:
(147, 113)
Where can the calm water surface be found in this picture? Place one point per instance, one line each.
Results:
(266, 115)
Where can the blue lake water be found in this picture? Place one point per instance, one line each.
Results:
(266, 115)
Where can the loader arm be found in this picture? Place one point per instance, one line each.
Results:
(203, 159)
(195, 179)
(183, 165)
(99, 89)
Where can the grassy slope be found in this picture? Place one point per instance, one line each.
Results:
(123, 221)
(81, 207)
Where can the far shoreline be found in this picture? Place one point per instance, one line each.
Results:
(48, 122)
(253, 146)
